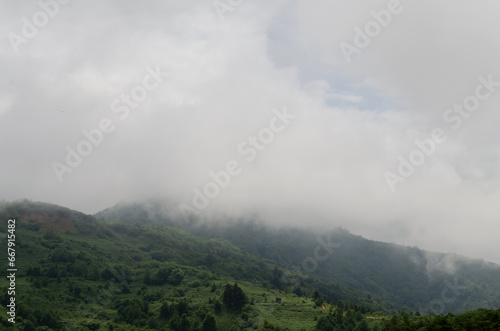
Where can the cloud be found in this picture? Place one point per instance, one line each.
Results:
(353, 120)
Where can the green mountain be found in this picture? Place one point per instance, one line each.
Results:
(406, 277)
(132, 268)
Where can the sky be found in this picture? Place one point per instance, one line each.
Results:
(380, 117)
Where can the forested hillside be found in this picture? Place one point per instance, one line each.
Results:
(406, 277)
(78, 272)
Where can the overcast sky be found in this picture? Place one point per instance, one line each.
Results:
(334, 92)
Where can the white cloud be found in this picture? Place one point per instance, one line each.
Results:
(325, 169)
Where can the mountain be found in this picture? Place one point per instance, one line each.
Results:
(76, 272)
(406, 277)
(135, 266)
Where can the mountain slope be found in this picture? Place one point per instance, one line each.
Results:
(405, 276)
(110, 274)
(150, 277)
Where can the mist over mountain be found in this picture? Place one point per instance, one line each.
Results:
(406, 276)
(137, 256)
(245, 163)
(391, 133)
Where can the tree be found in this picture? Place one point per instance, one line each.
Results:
(162, 276)
(106, 274)
(227, 296)
(153, 323)
(49, 319)
(338, 316)
(233, 296)
(218, 306)
(147, 278)
(298, 291)
(184, 325)
(165, 310)
(52, 271)
(316, 294)
(62, 255)
(210, 260)
(209, 323)
(174, 322)
(318, 302)
(77, 291)
(29, 326)
(131, 310)
(176, 277)
(324, 324)
(276, 280)
(362, 326)
(182, 307)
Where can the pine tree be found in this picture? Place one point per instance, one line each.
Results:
(233, 296)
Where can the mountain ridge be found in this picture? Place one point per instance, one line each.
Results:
(337, 262)
(358, 263)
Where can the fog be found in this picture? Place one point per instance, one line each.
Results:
(380, 117)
